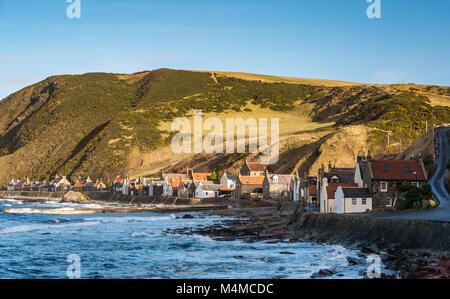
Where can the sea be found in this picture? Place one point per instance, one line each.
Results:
(34, 245)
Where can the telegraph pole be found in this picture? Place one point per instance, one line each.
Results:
(388, 143)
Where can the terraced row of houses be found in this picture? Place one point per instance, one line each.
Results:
(372, 185)
(60, 183)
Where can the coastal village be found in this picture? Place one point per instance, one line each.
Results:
(371, 186)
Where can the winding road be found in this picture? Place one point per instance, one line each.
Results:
(442, 212)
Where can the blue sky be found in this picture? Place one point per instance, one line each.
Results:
(332, 39)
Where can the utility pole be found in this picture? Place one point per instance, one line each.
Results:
(433, 136)
(388, 143)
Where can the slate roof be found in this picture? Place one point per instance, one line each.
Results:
(366, 173)
(232, 177)
(343, 176)
(212, 187)
(282, 178)
(356, 192)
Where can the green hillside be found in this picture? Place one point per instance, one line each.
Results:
(88, 124)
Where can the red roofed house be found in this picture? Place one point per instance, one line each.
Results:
(248, 185)
(327, 194)
(253, 169)
(385, 178)
(197, 176)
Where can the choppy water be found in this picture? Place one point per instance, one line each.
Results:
(134, 246)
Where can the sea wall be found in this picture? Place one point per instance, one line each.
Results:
(32, 195)
(383, 233)
(113, 198)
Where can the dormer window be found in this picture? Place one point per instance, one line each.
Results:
(385, 169)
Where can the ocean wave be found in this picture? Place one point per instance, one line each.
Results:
(139, 234)
(35, 227)
(14, 201)
(129, 219)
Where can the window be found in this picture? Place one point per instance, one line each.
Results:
(384, 186)
(364, 201)
(354, 201)
(388, 202)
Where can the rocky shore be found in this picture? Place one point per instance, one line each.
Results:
(412, 249)
(426, 260)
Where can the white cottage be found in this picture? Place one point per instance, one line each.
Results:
(352, 200)
(207, 190)
(11, 185)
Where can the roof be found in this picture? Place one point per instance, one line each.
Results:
(356, 192)
(56, 181)
(332, 187)
(255, 166)
(251, 180)
(410, 170)
(313, 190)
(90, 184)
(79, 184)
(201, 176)
(342, 170)
(366, 174)
(174, 175)
(282, 178)
(119, 180)
(232, 177)
(211, 187)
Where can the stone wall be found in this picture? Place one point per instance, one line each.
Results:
(383, 233)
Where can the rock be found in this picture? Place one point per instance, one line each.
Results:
(369, 248)
(187, 216)
(352, 261)
(287, 253)
(324, 273)
(75, 197)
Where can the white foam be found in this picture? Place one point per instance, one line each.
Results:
(14, 201)
(34, 227)
(128, 219)
(139, 234)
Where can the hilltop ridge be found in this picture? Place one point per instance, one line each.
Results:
(102, 124)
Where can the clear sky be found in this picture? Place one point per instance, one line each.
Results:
(330, 39)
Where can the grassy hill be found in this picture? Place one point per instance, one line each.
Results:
(103, 125)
